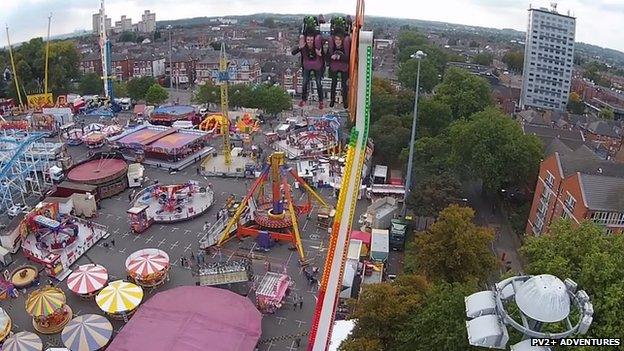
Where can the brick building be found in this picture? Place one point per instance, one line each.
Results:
(579, 186)
(122, 66)
(91, 63)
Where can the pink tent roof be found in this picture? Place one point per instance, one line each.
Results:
(364, 236)
(189, 318)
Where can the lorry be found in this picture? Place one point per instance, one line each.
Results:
(396, 177)
(398, 232)
(379, 214)
(380, 174)
(380, 244)
(135, 175)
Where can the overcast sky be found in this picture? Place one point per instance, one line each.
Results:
(598, 21)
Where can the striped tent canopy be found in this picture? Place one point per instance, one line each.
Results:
(23, 341)
(88, 332)
(87, 279)
(45, 301)
(144, 262)
(119, 297)
(5, 324)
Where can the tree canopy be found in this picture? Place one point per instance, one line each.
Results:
(390, 136)
(120, 89)
(434, 193)
(453, 249)
(463, 92)
(432, 156)
(138, 87)
(606, 113)
(575, 104)
(490, 146)
(483, 58)
(428, 74)
(585, 254)
(271, 99)
(156, 94)
(514, 61)
(90, 83)
(388, 100)
(433, 117)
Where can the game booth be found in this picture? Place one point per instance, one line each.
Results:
(167, 114)
(48, 310)
(148, 267)
(272, 291)
(119, 299)
(87, 280)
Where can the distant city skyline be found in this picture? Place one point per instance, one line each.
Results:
(598, 21)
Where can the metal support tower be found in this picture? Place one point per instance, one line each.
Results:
(105, 50)
(224, 77)
(23, 162)
(331, 282)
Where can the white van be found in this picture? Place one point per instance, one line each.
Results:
(183, 125)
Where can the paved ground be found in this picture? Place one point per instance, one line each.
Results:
(179, 240)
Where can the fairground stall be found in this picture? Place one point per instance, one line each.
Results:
(119, 299)
(47, 307)
(87, 280)
(57, 241)
(160, 146)
(321, 137)
(95, 139)
(221, 273)
(272, 291)
(148, 267)
(166, 115)
(23, 341)
(106, 170)
(88, 332)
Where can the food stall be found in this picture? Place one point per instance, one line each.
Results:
(272, 291)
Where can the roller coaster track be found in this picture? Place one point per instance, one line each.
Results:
(331, 282)
(24, 145)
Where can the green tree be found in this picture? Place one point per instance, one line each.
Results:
(514, 61)
(492, 147)
(381, 308)
(428, 75)
(453, 249)
(269, 22)
(387, 100)
(463, 92)
(390, 137)
(434, 193)
(207, 94)
(432, 156)
(90, 83)
(120, 89)
(435, 324)
(272, 99)
(64, 61)
(241, 95)
(137, 87)
(592, 259)
(127, 37)
(433, 117)
(156, 94)
(606, 113)
(575, 104)
(483, 58)
(410, 38)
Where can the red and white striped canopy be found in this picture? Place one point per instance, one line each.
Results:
(87, 279)
(147, 261)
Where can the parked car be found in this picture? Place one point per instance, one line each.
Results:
(17, 209)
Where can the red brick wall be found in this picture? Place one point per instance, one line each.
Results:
(550, 164)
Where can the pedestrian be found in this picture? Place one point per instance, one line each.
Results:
(301, 302)
(113, 242)
(192, 255)
(129, 197)
(198, 170)
(297, 342)
(295, 305)
(205, 225)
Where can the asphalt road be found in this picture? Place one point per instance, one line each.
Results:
(179, 240)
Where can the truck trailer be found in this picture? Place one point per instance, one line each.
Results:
(380, 245)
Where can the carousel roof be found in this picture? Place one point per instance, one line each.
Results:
(147, 261)
(189, 318)
(87, 279)
(88, 332)
(45, 301)
(119, 297)
(23, 341)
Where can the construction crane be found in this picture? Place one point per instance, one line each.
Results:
(224, 77)
(360, 90)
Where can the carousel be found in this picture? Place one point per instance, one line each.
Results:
(87, 280)
(73, 137)
(89, 332)
(23, 341)
(214, 124)
(24, 277)
(5, 325)
(148, 267)
(95, 139)
(112, 130)
(119, 299)
(48, 309)
(247, 124)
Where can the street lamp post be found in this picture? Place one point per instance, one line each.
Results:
(170, 59)
(419, 55)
